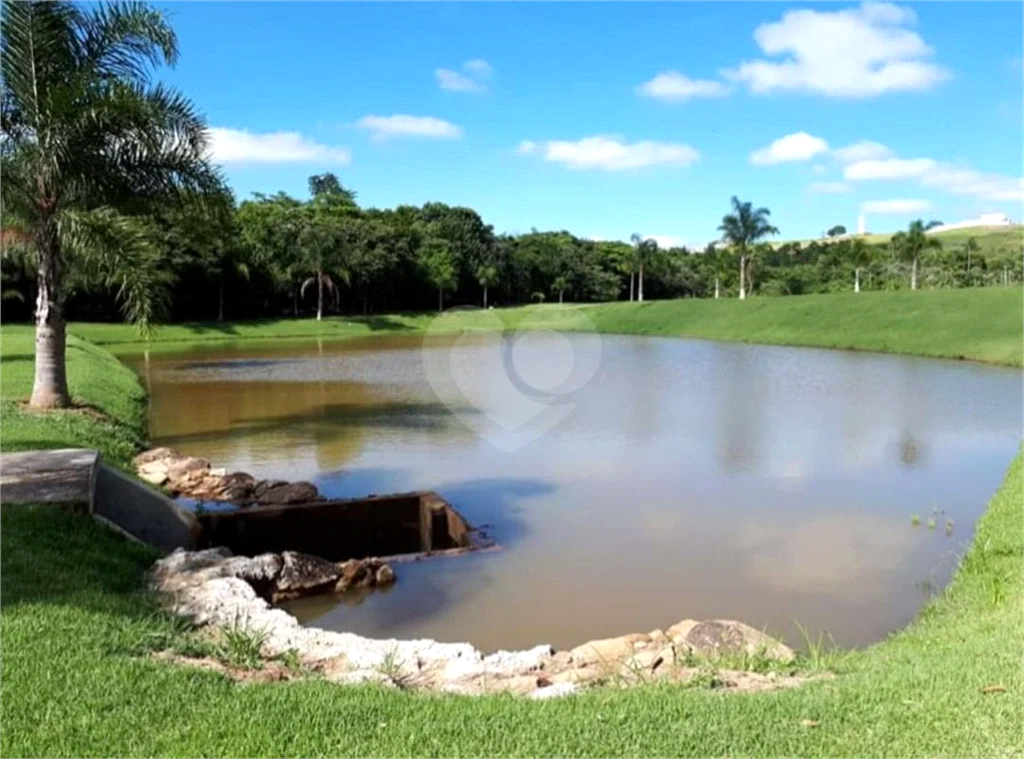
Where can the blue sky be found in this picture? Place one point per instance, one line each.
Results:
(609, 119)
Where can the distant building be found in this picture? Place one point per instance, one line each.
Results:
(985, 220)
(862, 225)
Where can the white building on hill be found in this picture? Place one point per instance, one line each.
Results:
(985, 220)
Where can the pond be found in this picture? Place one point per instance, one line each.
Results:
(784, 487)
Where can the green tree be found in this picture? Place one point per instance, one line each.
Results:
(646, 249)
(436, 259)
(487, 276)
(970, 247)
(744, 226)
(560, 285)
(321, 251)
(87, 138)
(860, 258)
(910, 245)
(836, 231)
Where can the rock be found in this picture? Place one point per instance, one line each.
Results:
(385, 575)
(556, 690)
(262, 486)
(714, 638)
(237, 486)
(154, 478)
(155, 455)
(519, 661)
(218, 471)
(294, 492)
(186, 465)
(302, 575)
(608, 650)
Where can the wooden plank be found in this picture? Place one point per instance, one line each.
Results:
(63, 475)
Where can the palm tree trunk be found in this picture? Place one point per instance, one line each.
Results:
(50, 387)
(856, 280)
(319, 296)
(485, 296)
(640, 281)
(440, 299)
(560, 297)
(968, 268)
(631, 287)
(220, 304)
(743, 272)
(295, 300)
(716, 287)
(913, 275)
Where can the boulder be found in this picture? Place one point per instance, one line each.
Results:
(717, 637)
(609, 650)
(302, 574)
(155, 455)
(385, 575)
(262, 486)
(294, 492)
(187, 465)
(154, 478)
(237, 487)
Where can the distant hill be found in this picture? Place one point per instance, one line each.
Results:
(992, 241)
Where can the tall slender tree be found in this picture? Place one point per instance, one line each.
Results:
(645, 249)
(743, 227)
(910, 245)
(86, 139)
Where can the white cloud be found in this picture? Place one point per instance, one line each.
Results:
(526, 147)
(386, 127)
(610, 154)
(966, 181)
(239, 146)
(473, 77)
(855, 52)
(864, 150)
(477, 66)
(673, 86)
(956, 180)
(799, 146)
(896, 206)
(829, 188)
(889, 168)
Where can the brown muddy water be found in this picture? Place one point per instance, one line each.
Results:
(685, 479)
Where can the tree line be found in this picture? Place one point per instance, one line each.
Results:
(109, 208)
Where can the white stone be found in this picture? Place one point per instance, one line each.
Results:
(558, 690)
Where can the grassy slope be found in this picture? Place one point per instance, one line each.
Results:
(73, 613)
(113, 421)
(982, 323)
(992, 241)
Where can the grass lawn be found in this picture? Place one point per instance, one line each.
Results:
(983, 324)
(112, 405)
(75, 622)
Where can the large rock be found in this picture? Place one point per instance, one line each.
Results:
(302, 574)
(154, 455)
(609, 650)
(294, 492)
(237, 487)
(718, 637)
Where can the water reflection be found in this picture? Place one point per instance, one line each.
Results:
(692, 479)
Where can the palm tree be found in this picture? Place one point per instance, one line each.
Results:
(645, 248)
(487, 276)
(560, 285)
(971, 246)
(741, 228)
(911, 244)
(86, 136)
(859, 258)
(320, 250)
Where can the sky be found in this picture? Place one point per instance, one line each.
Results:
(610, 119)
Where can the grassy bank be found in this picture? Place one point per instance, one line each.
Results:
(75, 622)
(983, 324)
(110, 404)
(993, 242)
